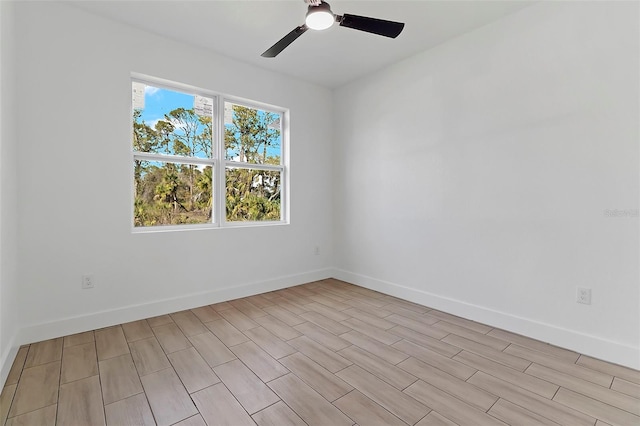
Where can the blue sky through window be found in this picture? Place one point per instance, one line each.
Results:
(159, 101)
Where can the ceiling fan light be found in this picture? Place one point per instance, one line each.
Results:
(319, 17)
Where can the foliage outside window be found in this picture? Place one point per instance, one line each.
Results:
(201, 159)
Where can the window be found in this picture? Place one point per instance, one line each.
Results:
(205, 160)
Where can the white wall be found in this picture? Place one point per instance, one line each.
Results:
(474, 177)
(74, 180)
(8, 191)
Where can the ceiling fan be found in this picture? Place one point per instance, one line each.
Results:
(320, 17)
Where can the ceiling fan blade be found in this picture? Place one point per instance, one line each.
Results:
(285, 41)
(372, 25)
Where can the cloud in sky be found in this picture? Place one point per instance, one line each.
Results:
(150, 90)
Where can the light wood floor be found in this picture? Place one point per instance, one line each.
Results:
(325, 353)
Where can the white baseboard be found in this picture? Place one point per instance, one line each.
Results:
(93, 321)
(593, 346)
(6, 360)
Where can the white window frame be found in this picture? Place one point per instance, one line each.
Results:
(217, 162)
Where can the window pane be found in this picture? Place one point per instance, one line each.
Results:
(170, 122)
(171, 193)
(253, 195)
(252, 135)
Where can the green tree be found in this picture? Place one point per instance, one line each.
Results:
(252, 194)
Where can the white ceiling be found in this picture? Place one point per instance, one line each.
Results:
(244, 29)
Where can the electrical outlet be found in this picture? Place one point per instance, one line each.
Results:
(87, 282)
(583, 295)
(316, 251)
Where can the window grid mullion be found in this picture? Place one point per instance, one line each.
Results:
(220, 184)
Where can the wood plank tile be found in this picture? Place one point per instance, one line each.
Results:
(320, 379)
(260, 301)
(279, 414)
(435, 345)
(168, 399)
(371, 331)
(188, 323)
(609, 369)
(323, 356)
(248, 308)
(369, 318)
(221, 306)
(6, 398)
(78, 339)
(80, 403)
(326, 311)
(193, 370)
(218, 407)
(584, 373)
(552, 410)
(211, 349)
(196, 420)
(471, 325)
(327, 301)
(42, 417)
(334, 294)
(395, 376)
(446, 364)
(44, 352)
(171, 338)
(110, 343)
(366, 412)
(259, 361)
(137, 330)
(364, 305)
(410, 327)
(159, 320)
(119, 378)
(498, 356)
(367, 292)
(525, 381)
(134, 410)
(206, 314)
(381, 350)
(597, 409)
(325, 322)
(415, 307)
(307, 403)
(270, 343)
(419, 325)
(600, 393)
(492, 342)
(527, 342)
(248, 389)
(466, 367)
(79, 362)
(148, 356)
(37, 388)
(17, 366)
(407, 313)
(450, 406)
(435, 419)
(279, 328)
(238, 319)
(227, 333)
(284, 315)
(628, 388)
(322, 336)
(513, 414)
(290, 306)
(398, 403)
(462, 390)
